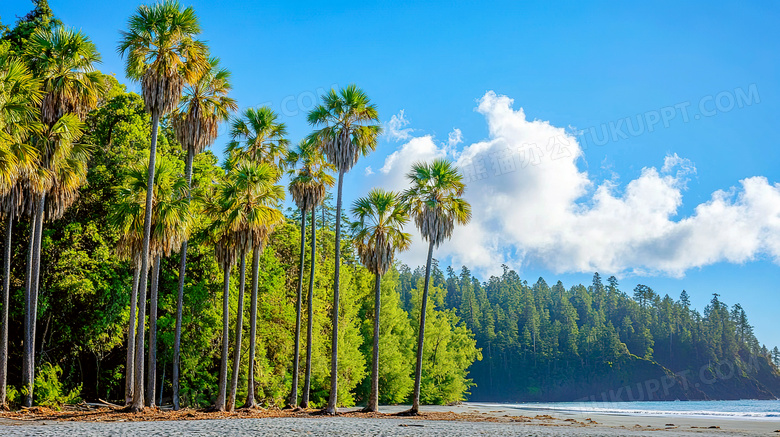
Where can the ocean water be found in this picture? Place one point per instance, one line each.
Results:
(743, 409)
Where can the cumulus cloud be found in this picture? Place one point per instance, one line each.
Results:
(369, 171)
(533, 205)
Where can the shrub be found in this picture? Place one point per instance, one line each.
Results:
(49, 391)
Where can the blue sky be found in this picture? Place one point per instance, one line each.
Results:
(575, 65)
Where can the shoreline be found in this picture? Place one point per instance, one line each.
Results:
(724, 424)
(514, 418)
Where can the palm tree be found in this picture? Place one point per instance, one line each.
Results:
(170, 228)
(20, 95)
(205, 104)
(64, 61)
(163, 55)
(171, 219)
(378, 233)
(350, 130)
(64, 171)
(435, 202)
(308, 186)
(246, 209)
(257, 137)
(254, 214)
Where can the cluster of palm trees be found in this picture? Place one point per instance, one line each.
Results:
(45, 93)
(44, 96)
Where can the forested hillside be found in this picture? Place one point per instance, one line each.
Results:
(597, 342)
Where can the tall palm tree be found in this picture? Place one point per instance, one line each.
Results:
(350, 130)
(170, 228)
(378, 233)
(258, 137)
(205, 104)
(308, 186)
(64, 60)
(434, 201)
(163, 54)
(20, 95)
(171, 220)
(253, 214)
(246, 208)
(64, 171)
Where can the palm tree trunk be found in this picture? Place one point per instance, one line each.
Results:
(239, 328)
(180, 299)
(421, 338)
(334, 359)
(250, 384)
(309, 329)
(138, 391)
(6, 302)
(293, 401)
(27, 298)
(32, 304)
(220, 404)
(129, 365)
(151, 381)
(373, 399)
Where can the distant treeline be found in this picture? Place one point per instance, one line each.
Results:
(599, 343)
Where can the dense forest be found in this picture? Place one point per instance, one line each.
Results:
(598, 343)
(499, 340)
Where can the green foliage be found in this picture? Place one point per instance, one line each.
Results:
(41, 17)
(49, 390)
(13, 395)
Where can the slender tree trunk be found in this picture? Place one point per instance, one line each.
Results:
(32, 310)
(180, 299)
(309, 329)
(162, 380)
(151, 378)
(250, 380)
(293, 401)
(129, 366)
(239, 329)
(373, 399)
(221, 397)
(421, 338)
(27, 302)
(334, 359)
(138, 391)
(6, 302)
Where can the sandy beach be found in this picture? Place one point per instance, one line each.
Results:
(464, 419)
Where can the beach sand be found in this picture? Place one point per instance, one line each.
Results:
(463, 419)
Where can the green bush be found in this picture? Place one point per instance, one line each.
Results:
(49, 391)
(12, 395)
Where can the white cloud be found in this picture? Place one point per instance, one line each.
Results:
(395, 128)
(368, 171)
(532, 204)
(455, 137)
